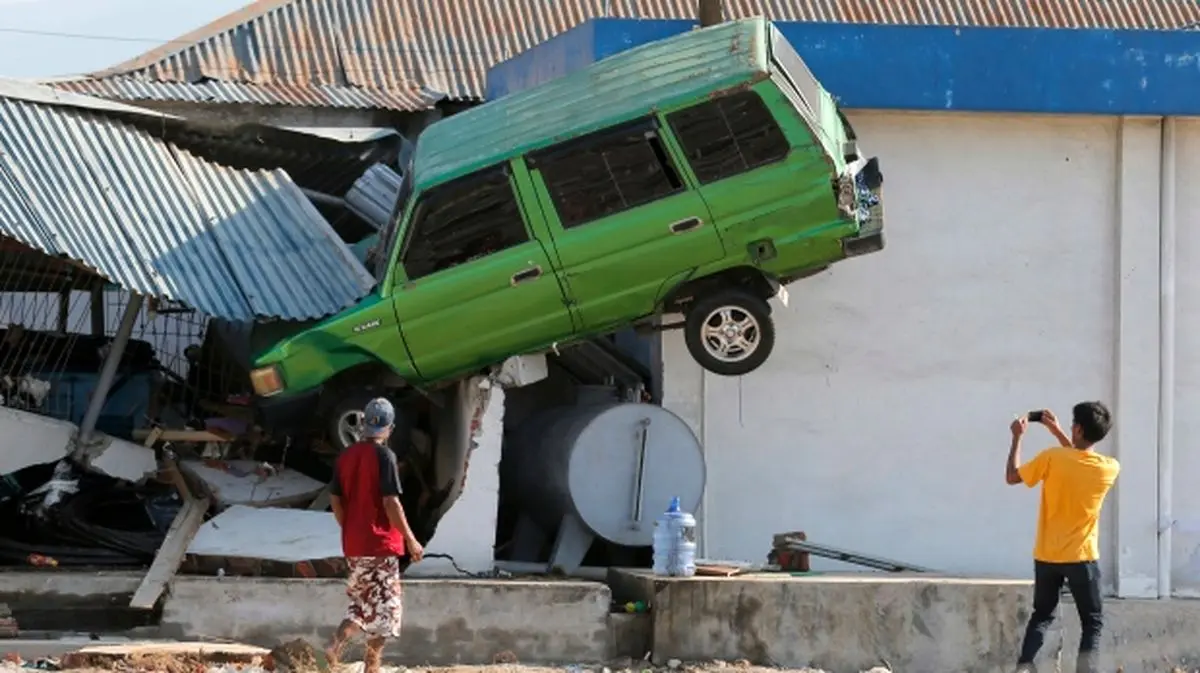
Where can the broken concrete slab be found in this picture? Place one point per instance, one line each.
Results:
(268, 533)
(123, 460)
(33, 439)
(30, 439)
(150, 653)
(240, 482)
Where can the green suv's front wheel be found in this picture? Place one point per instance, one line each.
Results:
(730, 332)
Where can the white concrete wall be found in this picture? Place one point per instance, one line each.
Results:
(1022, 270)
(1185, 494)
(469, 456)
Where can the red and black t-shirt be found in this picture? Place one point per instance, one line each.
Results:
(363, 476)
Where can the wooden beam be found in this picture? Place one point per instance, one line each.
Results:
(170, 554)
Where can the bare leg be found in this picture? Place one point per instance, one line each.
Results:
(345, 631)
(374, 657)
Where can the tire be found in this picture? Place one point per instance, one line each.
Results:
(344, 413)
(746, 311)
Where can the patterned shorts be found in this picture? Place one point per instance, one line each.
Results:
(376, 595)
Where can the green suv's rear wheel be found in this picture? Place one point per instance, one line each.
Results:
(730, 332)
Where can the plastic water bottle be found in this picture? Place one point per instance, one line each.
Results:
(675, 543)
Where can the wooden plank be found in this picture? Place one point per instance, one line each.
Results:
(151, 436)
(321, 502)
(175, 476)
(170, 554)
(717, 570)
(183, 435)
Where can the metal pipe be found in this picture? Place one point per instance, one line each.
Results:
(1166, 361)
(108, 372)
(322, 197)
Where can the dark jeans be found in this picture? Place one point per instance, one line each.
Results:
(1083, 579)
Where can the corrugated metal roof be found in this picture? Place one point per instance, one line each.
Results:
(616, 89)
(373, 196)
(380, 47)
(165, 223)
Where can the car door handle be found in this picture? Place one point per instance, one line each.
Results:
(684, 226)
(531, 273)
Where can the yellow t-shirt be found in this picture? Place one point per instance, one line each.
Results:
(1074, 484)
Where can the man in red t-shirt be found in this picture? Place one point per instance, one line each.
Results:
(365, 495)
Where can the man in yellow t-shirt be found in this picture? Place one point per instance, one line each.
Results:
(1074, 481)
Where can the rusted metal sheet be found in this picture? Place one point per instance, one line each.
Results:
(157, 220)
(375, 53)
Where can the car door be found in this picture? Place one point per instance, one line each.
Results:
(625, 224)
(760, 180)
(474, 286)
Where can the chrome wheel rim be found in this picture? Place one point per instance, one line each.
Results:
(730, 334)
(349, 427)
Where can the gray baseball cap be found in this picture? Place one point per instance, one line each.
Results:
(378, 417)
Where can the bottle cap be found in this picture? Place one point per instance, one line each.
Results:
(674, 506)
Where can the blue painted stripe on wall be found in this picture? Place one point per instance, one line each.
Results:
(1050, 70)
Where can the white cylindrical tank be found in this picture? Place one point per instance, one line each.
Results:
(615, 465)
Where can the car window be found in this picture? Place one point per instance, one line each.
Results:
(608, 172)
(729, 135)
(381, 253)
(461, 221)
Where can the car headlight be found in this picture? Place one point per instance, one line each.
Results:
(266, 381)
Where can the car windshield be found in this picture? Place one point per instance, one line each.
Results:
(382, 251)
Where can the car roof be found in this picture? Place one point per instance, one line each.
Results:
(619, 88)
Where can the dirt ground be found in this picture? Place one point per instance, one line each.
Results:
(357, 667)
(299, 656)
(188, 664)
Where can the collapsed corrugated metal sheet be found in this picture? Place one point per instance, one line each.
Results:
(142, 89)
(165, 223)
(382, 48)
(630, 84)
(374, 195)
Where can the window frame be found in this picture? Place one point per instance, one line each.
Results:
(652, 131)
(420, 199)
(715, 102)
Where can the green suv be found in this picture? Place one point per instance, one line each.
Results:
(697, 175)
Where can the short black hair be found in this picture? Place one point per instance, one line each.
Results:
(1094, 420)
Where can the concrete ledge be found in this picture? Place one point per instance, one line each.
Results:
(67, 584)
(850, 623)
(446, 621)
(912, 622)
(54, 600)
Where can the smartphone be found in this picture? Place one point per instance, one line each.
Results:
(1035, 416)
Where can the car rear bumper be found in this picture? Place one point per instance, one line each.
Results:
(868, 182)
(856, 246)
(290, 414)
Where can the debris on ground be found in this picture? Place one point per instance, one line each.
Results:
(190, 665)
(297, 656)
